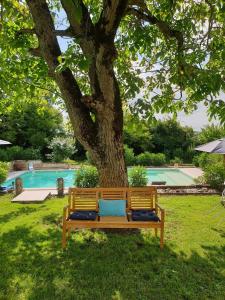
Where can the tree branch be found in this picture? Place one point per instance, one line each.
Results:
(111, 16)
(50, 50)
(36, 51)
(164, 27)
(78, 17)
(66, 32)
(144, 14)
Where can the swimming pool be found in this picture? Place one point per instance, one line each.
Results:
(47, 179)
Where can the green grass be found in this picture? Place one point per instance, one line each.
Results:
(106, 265)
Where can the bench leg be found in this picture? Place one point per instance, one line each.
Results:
(64, 237)
(69, 233)
(156, 232)
(161, 237)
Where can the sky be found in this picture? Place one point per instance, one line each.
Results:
(198, 119)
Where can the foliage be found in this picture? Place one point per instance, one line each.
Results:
(214, 175)
(17, 153)
(87, 176)
(137, 134)
(62, 148)
(204, 159)
(129, 156)
(195, 68)
(137, 176)
(30, 123)
(4, 168)
(176, 160)
(171, 138)
(188, 247)
(209, 134)
(151, 159)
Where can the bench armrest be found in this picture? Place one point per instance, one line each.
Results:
(161, 210)
(65, 213)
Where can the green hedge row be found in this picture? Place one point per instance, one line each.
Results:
(144, 159)
(17, 153)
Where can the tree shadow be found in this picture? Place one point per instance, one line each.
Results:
(100, 265)
(20, 211)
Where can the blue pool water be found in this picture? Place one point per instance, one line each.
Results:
(47, 179)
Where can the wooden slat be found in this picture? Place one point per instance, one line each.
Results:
(84, 199)
(142, 198)
(113, 194)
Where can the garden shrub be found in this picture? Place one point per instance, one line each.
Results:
(137, 176)
(18, 153)
(214, 175)
(158, 159)
(144, 159)
(151, 159)
(205, 159)
(87, 176)
(4, 168)
(30, 154)
(3, 155)
(176, 160)
(62, 148)
(129, 156)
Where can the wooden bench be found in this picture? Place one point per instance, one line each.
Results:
(137, 199)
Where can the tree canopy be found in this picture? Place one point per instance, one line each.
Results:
(30, 123)
(172, 52)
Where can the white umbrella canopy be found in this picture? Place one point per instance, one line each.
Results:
(2, 142)
(217, 146)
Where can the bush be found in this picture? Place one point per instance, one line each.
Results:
(205, 159)
(214, 175)
(62, 148)
(17, 153)
(151, 159)
(137, 176)
(158, 159)
(129, 156)
(87, 176)
(176, 160)
(3, 155)
(4, 168)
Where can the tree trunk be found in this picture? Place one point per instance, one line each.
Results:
(97, 119)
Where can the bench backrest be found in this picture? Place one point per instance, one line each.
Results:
(137, 198)
(83, 199)
(142, 198)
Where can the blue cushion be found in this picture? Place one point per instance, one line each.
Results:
(144, 215)
(83, 215)
(115, 208)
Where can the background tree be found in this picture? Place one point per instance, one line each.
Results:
(179, 44)
(210, 133)
(137, 134)
(174, 140)
(30, 123)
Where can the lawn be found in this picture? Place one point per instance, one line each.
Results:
(109, 265)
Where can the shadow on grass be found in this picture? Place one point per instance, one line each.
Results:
(20, 211)
(100, 265)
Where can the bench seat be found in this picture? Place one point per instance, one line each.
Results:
(137, 198)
